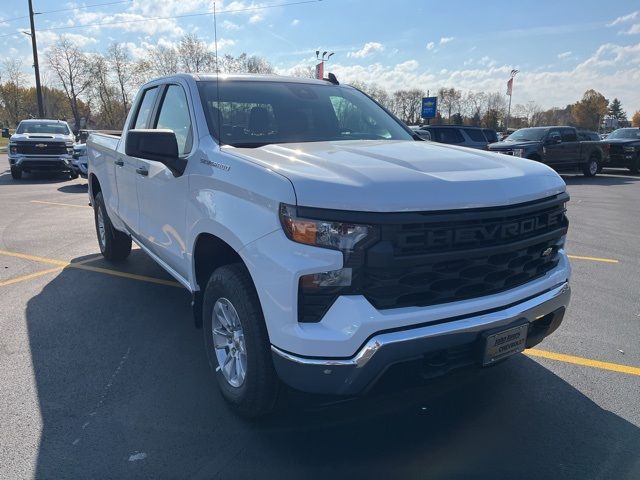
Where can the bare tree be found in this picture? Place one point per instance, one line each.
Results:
(72, 71)
(164, 61)
(122, 69)
(304, 72)
(105, 94)
(194, 55)
(449, 101)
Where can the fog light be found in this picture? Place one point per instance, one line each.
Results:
(335, 278)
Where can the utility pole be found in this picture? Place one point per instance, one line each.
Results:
(35, 61)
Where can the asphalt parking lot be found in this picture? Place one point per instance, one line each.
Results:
(102, 374)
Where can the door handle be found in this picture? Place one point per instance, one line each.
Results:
(142, 171)
(119, 163)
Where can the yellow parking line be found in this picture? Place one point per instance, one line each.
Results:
(60, 204)
(594, 259)
(23, 278)
(81, 265)
(34, 258)
(131, 276)
(586, 362)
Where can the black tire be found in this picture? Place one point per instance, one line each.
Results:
(16, 173)
(73, 174)
(591, 168)
(635, 165)
(114, 244)
(257, 395)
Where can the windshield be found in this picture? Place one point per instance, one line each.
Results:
(633, 133)
(527, 135)
(43, 127)
(256, 113)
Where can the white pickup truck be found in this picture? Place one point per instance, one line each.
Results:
(323, 243)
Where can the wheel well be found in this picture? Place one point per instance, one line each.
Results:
(596, 154)
(209, 253)
(534, 156)
(95, 186)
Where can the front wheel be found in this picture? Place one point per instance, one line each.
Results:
(635, 165)
(592, 167)
(114, 244)
(237, 343)
(16, 173)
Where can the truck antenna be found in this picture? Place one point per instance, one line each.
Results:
(219, 112)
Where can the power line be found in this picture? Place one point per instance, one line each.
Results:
(146, 19)
(83, 7)
(9, 20)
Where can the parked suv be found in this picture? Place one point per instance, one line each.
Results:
(321, 242)
(473, 137)
(41, 145)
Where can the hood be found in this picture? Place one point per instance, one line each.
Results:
(621, 141)
(511, 145)
(393, 176)
(40, 137)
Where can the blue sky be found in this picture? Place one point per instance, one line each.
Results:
(561, 48)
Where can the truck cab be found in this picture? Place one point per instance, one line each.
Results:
(321, 241)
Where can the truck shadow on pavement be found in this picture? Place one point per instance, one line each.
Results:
(74, 188)
(124, 391)
(603, 179)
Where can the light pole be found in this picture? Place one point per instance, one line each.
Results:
(510, 93)
(320, 66)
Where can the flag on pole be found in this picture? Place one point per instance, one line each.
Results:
(510, 86)
(320, 71)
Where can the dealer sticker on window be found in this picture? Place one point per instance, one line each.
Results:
(503, 344)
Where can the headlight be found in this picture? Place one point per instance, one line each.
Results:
(13, 148)
(320, 233)
(70, 150)
(518, 152)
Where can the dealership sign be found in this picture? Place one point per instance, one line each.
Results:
(429, 107)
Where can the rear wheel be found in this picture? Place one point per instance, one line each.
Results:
(237, 343)
(73, 174)
(591, 168)
(114, 244)
(16, 173)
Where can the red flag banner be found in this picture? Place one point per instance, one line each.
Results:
(509, 86)
(320, 71)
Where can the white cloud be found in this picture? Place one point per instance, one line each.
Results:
(564, 54)
(256, 18)
(368, 49)
(431, 46)
(445, 40)
(612, 69)
(48, 38)
(624, 18)
(295, 22)
(229, 25)
(633, 30)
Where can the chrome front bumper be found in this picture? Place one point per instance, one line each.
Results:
(348, 376)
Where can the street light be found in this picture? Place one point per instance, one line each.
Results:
(322, 59)
(512, 75)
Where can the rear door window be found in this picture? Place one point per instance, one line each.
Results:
(447, 135)
(491, 135)
(568, 135)
(476, 135)
(145, 107)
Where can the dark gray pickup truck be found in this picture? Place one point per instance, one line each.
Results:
(558, 147)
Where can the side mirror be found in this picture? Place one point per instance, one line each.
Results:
(156, 145)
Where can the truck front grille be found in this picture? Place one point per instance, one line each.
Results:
(41, 148)
(430, 258)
